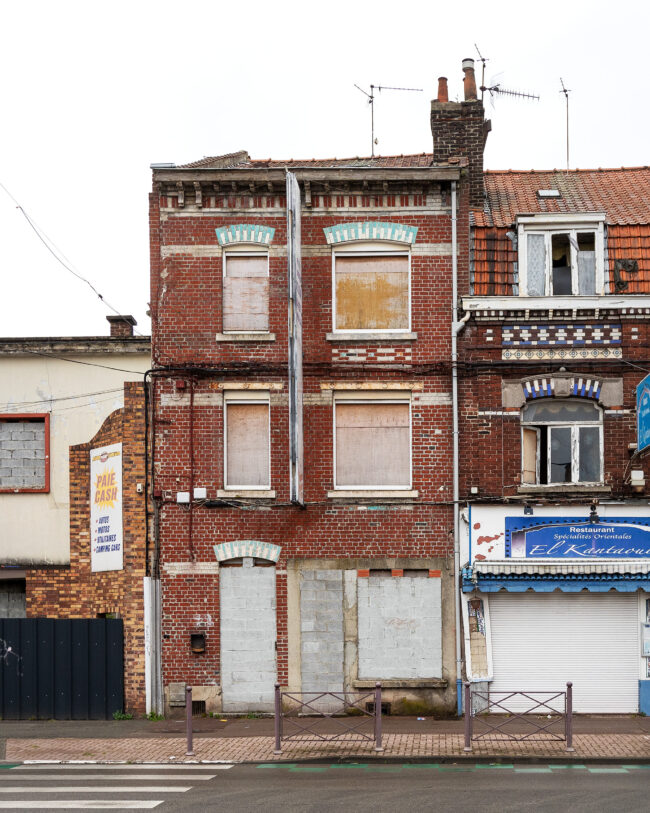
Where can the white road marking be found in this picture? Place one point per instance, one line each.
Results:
(83, 789)
(84, 804)
(34, 765)
(80, 777)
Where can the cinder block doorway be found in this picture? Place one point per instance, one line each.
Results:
(248, 635)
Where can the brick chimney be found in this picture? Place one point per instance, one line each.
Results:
(121, 326)
(460, 130)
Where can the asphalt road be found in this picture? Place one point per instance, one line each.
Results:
(308, 787)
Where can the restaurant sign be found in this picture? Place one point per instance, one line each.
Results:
(577, 538)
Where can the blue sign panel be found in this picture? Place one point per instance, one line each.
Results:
(643, 414)
(577, 538)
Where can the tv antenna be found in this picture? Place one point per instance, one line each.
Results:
(496, 87)
(371, 102)
(566, 92)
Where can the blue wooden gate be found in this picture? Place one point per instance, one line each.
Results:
(62, 669)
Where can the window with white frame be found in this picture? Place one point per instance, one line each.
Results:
(561, 256)
(371, 289)
(562, 442)
(245, 292)
(247, 449)
(372, 442)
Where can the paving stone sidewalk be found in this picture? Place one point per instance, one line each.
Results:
(591, 747)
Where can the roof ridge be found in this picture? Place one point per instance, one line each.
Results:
(565, 171)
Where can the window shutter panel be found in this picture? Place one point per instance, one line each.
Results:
(530, 441)
(247, 455)
(246, 294)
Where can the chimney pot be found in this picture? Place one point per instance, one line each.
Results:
(443, 91)
(469, 81)
(121, 325)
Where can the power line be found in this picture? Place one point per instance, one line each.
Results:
(86, 363)
(59, 256)
(17, 404)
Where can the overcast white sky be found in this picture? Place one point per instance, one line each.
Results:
(93, 93)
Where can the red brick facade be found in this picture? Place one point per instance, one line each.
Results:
(191, 368)
(76, 592)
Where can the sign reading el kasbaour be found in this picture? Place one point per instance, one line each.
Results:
(106, 543)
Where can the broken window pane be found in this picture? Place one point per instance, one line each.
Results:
(372, 293)
(560, 454)
(551, 410)
(561, 265)
(589, 454)
(536, 247)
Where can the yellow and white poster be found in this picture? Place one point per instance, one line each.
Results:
(106, 544)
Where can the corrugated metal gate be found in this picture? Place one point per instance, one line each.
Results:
(63, 669)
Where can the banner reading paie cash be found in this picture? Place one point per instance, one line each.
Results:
(106, 544)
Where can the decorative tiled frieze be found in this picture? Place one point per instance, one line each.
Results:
(545, 388)
(370, 230)
(550, 335)
(377, 355)
(245, 233)
(247, 547)
(565, 353)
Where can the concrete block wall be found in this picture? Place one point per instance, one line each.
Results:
(321, 627)
(248, 635)
(22, 454)
(400, 627)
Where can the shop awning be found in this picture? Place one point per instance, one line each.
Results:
(570, 577)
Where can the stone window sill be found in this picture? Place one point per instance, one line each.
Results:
(406, 683)
(245, 337)
(342, 494)
(245, 494)
(394, 336)
(563, 488)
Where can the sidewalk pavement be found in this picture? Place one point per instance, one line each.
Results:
(610, 738)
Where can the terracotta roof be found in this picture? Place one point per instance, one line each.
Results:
(241, 160)
(623, 194)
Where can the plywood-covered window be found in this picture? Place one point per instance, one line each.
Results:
(245, 292)
(372, 444)
(247, 444)
(371, 291)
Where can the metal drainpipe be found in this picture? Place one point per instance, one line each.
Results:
(454, 401)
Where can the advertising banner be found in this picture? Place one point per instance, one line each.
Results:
(106, 544)
(577, 538)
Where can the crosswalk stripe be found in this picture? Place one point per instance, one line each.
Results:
(111, 766)
(83, 789)
(84, 804)
(41, 777)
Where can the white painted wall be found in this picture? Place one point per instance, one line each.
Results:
(34, 528)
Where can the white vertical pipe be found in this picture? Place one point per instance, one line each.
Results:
(454, 401)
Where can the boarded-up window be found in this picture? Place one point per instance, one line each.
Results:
(247, 445)
(373, 445)
(531, 441)
(246, 293)
(24, 453)
(372, 293)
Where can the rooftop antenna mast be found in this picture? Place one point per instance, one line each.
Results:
(371, 102)
(566, 92)
(496, 88)
(483, 61)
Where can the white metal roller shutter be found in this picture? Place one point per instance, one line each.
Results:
(542, 640)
